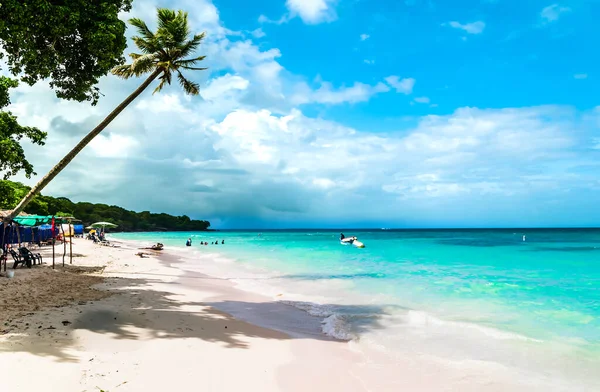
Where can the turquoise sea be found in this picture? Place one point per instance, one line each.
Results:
(530, 302)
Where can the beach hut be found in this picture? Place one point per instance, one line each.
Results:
(68, 230)
(44, 233)
(78, 229)
(31, 221)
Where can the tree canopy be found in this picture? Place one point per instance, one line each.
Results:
(11, 192)
(12, 156)
(71, 42)
(165, 51)
(164, 54)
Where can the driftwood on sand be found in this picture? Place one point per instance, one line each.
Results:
(158, 246)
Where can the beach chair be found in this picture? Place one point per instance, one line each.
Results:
(35, 257)
(20, 259)
(3, 259)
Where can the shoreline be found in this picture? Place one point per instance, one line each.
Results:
(164, 325)
(155, 332)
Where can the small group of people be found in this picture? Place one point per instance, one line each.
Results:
(189, 242)
(96, 237)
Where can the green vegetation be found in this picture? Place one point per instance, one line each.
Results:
(12, 156)
(11, 192)
(164, 54)
(71, 42)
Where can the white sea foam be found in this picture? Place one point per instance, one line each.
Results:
(311, 308)
(423, 319)
(333, 324)
(336, 327)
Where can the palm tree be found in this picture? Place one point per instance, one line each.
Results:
(164, 54)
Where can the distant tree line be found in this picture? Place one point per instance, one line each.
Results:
(11, 192)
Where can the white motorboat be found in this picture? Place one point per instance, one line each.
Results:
(352, 241)
(358, 244)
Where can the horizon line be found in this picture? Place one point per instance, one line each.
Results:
(419, 228)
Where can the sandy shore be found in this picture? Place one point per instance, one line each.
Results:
(118, 322)
(113, 321)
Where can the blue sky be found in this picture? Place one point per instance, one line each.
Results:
(340, 113)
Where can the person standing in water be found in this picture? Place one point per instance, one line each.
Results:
(188, 242)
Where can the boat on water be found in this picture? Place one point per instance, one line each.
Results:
(351, 241)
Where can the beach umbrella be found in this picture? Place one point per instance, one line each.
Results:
(102, 224)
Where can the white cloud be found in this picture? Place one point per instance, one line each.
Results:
(254, 165)
(312, 11)
(114, 146)
(327, 94)
(470, 28)
(364, 37)
(422, 99)
(404, 86)
(258, 33)
(580, 76)
(370, 62)
(223, 86)
(324, 183)
(553, 12)
(161, 103)
(244, 153)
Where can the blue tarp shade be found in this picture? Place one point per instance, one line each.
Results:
(45, 232)
(78, 229)
(9, 236)
(27, 234)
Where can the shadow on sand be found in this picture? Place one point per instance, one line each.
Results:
(138, 312)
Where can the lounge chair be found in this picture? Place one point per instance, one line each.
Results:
(19, 259)
(3, 258)
(35, 257)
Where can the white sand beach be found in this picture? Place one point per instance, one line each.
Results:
(144, 331)
(113, 321)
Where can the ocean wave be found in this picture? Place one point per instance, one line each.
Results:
(416, 318)
(339, 321)
(336, 327)
(350, 322)
(333, 324)
(311, 308)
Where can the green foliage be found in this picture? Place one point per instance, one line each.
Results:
(71, 42)
(5, 85)
(11, 192)
(164, 50)
(12, 156)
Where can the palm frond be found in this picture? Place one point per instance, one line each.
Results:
(142, 29)
(181, 29)
(194, 68)
(142, 65)
(189, 87)
(164, 79)
(190, 46)
(165, 50)
(123, 71)
(144, 58)
(145, 45)
(189, 62)
(165, 17)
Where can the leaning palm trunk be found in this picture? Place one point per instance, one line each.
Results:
(80, 146)
(163, 54)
